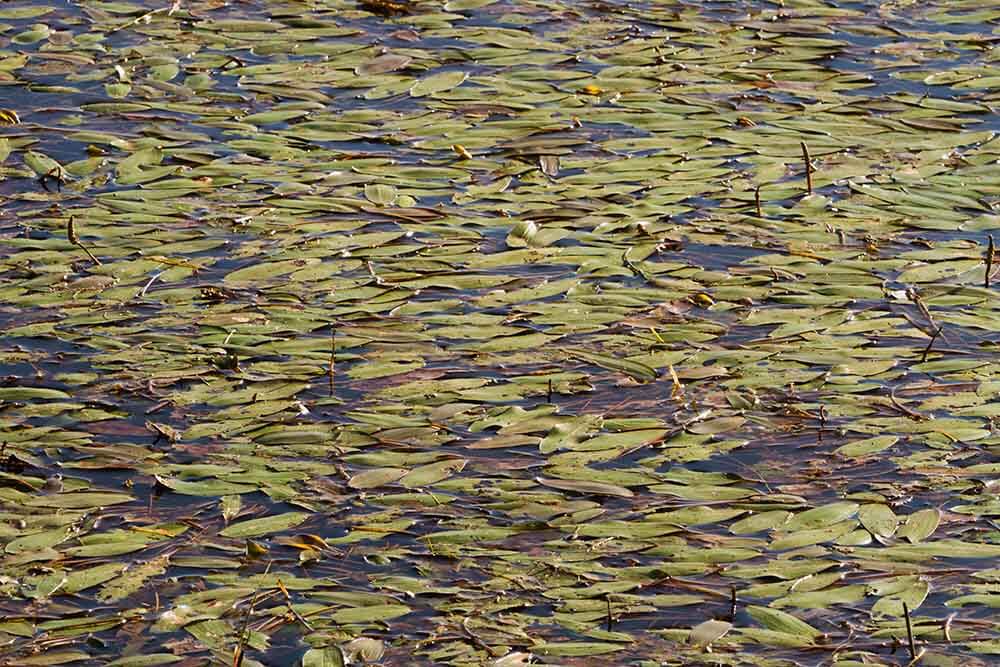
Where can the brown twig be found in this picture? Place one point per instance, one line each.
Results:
(476, 641)
(809, 167)
(923, 357)
(756, 201)
(238, 652)
(912, 414)
(909, 632)
(333, 356)
(145, 18)
(73, 238)
(241, 646)
(989, 263)
(687, 585)
(291, 608)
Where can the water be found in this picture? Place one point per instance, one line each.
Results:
(755, 348)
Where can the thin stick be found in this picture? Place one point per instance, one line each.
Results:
(909, 632)
(144, 18)
(946, 627)
(288, 603)
(73, 238)
(238, 653)
(989, 263)
(809, 167)
(145, 289)
(732, 603)
(333, 355)
(607, 598)
(549, 401)
(923, 357)
(756, 201)
(476, 641)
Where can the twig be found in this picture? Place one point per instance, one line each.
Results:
(73, 238)
(143, 291)
(238, 653)
(909, 632)
(989, 263)
(288, 603)
(371, 271)
(549, 400)
(476, 641)
(144, 18)
(55, 174)
(732, 603)
(809, 168)
(333, 355)
(822, 422)
(610, 620)
(946, 627)
(756, 201)
(923, 357)
(670, 580)
(912, 414)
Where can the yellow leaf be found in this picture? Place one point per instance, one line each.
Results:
(702, 299)
(9, 117)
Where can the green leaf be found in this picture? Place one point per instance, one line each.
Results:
(820, 517)
(265, 525)
(707, 632)
(576, 649)
(920, 525)
(586, 487)
(432, 473)
(370, 614)
(371, 479)
(438, 83)
(330, 656)
(878, 519)
(775, 619)
(80, 500)
(379, 194)
(31, 393)
(150, 660)
(207, 487)
(637, 370)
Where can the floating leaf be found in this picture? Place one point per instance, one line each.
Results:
(879, 519)
(370, 479)
(427, 475)
(573, 649)
(637, 370)
(586, 487)
(331, 656)
(265, 525)
(438, 83)
(379, 194)
(920, 525)
(775, 619)
(708, 632)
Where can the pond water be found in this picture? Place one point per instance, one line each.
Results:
(499, 332)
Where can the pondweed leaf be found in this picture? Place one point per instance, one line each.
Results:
(920, 525)
(265, 525)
